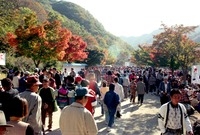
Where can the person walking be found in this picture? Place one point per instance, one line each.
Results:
(6, 96)
(19, 110)
(56, 76)
(22, 82)
(120, 91)
(72, 73)
(75, 119)
(104, 88)
(140, 88)
(126, 84)
(15, 80)
(152, 83)
(70, 86)
(164, 88)
(34, 104)
(92, 101)
(133, 85)
(65, 74)
(173, 118)
(48, 103)
(111, 100)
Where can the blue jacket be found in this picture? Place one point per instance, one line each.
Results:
(162, 88)
(111, 99)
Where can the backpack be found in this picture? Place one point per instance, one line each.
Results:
(62, 91)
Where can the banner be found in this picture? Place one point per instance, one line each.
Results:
(2, 59)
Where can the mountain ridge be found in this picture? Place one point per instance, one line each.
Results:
(148, 38)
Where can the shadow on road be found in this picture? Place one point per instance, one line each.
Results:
(135, 120)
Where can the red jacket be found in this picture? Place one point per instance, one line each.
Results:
(89, 103)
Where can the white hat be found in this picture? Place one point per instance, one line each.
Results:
(83, 91)
(3, 120)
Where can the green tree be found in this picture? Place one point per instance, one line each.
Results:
(142, 56)
(95, 57)
(173, 44)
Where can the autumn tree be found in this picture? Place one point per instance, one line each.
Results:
(173, 44)
(143, 56)
(9, 17)
(46, 41)
(76, 50)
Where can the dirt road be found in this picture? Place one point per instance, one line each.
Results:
(135, 120)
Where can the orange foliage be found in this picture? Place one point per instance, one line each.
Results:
(11, 39)
(48, 40)
(76, 49)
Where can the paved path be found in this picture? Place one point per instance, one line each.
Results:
(135, 120)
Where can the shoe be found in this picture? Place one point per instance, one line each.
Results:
(108, 129)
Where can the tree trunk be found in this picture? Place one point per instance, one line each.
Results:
(37, 63)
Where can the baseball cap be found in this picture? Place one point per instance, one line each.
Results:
(82, 92)
(78, 79)
(3, 120)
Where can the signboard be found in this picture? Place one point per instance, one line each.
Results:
(195, 74)
(2, 59)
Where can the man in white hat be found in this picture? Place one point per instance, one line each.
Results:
(3, 124)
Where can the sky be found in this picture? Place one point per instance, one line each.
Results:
(138, 17)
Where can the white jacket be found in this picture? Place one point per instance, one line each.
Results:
(163, 114)
(119, 90)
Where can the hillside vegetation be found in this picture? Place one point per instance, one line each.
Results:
(76, 19)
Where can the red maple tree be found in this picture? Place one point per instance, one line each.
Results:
(48, 41)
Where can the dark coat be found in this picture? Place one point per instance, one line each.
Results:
(162, 88)
(111, 99)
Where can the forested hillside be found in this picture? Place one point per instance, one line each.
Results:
(110, 49)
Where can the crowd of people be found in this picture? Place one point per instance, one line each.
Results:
(40, 93)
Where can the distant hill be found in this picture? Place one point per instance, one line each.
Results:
(93, 31)
(92, 27)
(148, 38)
(135, 41)
(196, 35)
